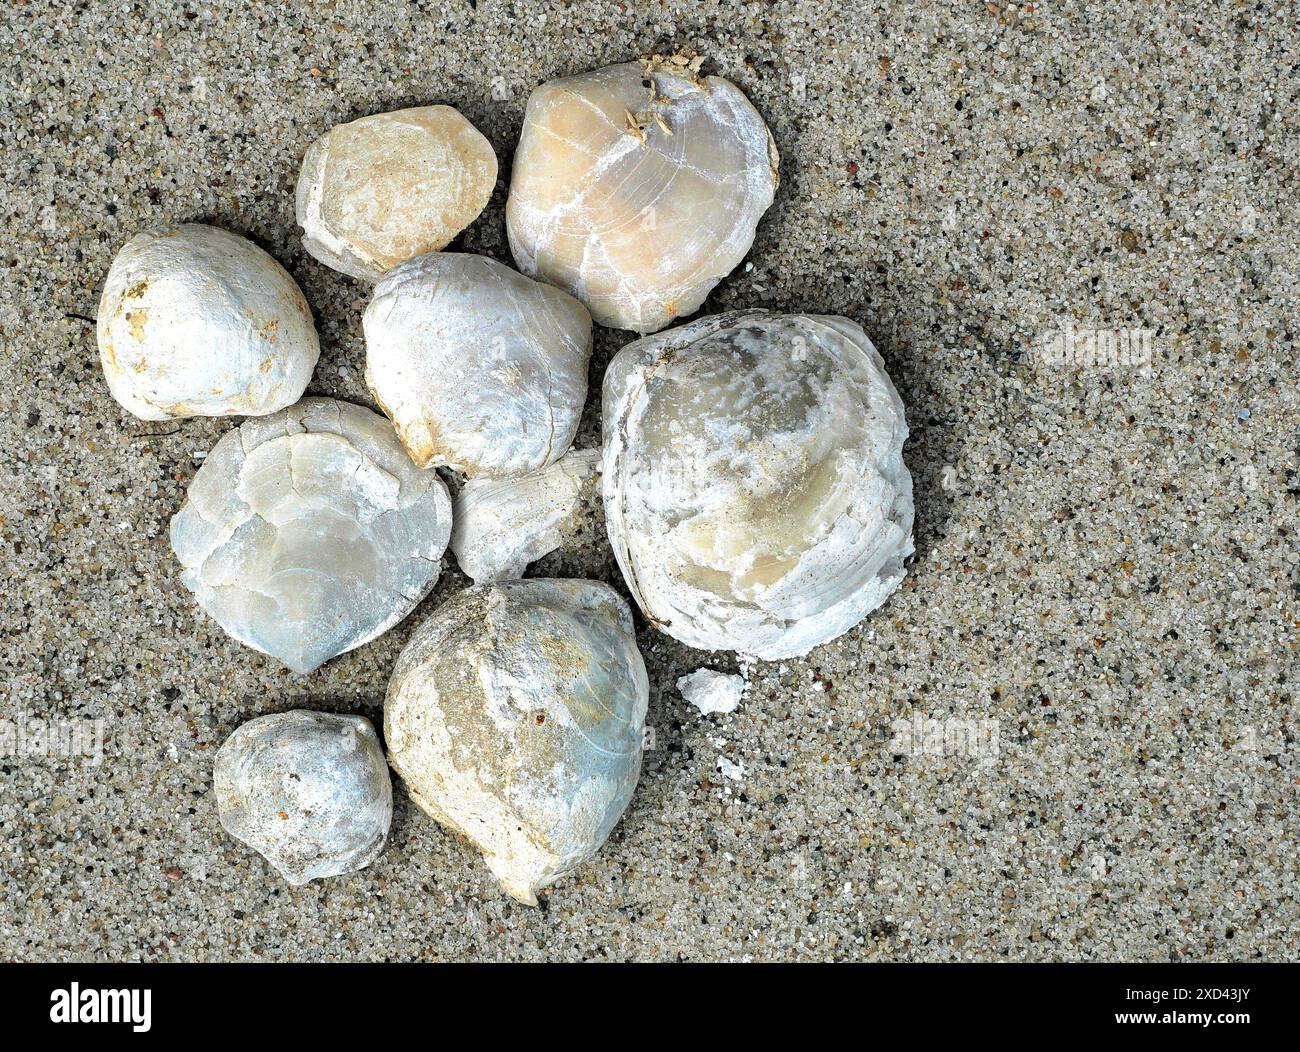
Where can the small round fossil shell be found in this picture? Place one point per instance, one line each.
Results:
(515, 716)
(755, 492)
(196, 321)
(379, 190)
(480, 368)
(309, 791)
(501, 525)
(638, 187)
(310, 532)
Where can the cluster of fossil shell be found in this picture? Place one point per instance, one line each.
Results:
(750, 476)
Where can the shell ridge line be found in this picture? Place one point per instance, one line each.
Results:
(621, 493)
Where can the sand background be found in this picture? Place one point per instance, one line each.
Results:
(1107, 572)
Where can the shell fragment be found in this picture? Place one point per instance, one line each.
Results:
(502, 525)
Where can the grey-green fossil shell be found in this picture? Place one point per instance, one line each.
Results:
(515, 716)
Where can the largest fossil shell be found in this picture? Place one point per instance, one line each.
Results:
(638, 187)
(197, 321)
(515, 715)
(755, 491)
(310, 532)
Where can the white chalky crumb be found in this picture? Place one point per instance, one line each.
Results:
(711, 691)
(734, 771)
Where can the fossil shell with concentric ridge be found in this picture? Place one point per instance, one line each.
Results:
(515, 716)
(379, 190)
(638, 187)
(755, 492)
(310, 532)
(309, 791)
(480, 368)
(197, 321)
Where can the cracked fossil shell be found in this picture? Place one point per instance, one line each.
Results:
(308, 533)
(309, 791)
(515, 716)
(197, 321)
(480, 368)
(380, 190)
(755, 492)
(502, 525)
(638, 187)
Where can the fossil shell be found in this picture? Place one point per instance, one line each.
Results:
(755, 491)
(480, 368)
(638, 188)
(196, 321)
(502, 525)
(309, 533)
(515, 715)
(308, 790)
(379, 190)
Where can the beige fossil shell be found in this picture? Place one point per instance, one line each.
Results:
(480, 368)
(309, 791)
(755, 492)
(515, 716)
(638, 187)
(377, 191)
(309, 533)
(197, 321)
(502, 525)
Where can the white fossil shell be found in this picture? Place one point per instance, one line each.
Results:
(755, 491)
(711, 691)
(385, 188)
(638, 187)
(197, 321)
(480, 368)
(309, 533)
(309, 791)
(515, 715)
(502, 525)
